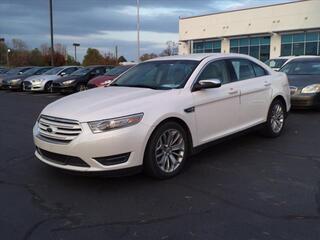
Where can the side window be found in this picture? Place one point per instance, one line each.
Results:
(259, 71)
(216, 70)
(69, 70)
(243, 69)
(100, 71)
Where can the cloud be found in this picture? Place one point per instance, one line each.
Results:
(103, 24)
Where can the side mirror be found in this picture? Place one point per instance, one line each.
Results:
(63, 74)
(205, 84)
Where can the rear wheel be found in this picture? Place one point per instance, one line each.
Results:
(167, 151)
(276, 119)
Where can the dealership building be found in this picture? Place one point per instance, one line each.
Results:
(263, 32)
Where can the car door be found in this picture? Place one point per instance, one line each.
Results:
(216, 109)
(254, 83)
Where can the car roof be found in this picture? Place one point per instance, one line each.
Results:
(95, 66)
(200, 56)
(305, 59)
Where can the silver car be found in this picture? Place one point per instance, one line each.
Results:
(44, 82)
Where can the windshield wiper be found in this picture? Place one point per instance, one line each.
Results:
(139, 86)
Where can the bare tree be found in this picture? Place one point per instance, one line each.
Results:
(19, 45)
(148, 56)
(171, 49)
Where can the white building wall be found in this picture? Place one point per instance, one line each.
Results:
(184, 47)
(225, 45)
(275, 45)
(268, 20)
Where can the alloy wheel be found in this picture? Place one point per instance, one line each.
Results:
(170, 150)
(277, 118)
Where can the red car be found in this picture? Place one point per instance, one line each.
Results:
(108, 77)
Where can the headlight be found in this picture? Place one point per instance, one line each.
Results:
(314, 88)
(115, 123)
(105, 83)
(36, 80)
(15, 80)
(68, 82)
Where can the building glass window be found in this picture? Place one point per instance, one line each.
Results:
(300, 44)
(258, 47)
(213, 46)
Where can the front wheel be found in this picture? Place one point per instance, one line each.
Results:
(48, 87)
(81, 87)
(166, 151)
(276, 119)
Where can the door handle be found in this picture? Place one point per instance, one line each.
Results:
(267, 84)
(233, 92)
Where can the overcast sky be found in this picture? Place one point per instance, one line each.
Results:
(102, 24)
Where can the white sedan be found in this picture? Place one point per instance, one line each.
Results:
(159, 112)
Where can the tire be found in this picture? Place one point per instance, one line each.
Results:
(48, 87)
(165, 156)
(276, 120)
(81, 87)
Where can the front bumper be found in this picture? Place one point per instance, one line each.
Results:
(32, 86)
(305, 101)
(5, 86)
(97, 151)
(14, 86)
(59, 87)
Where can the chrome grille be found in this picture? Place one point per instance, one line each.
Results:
(58, 129)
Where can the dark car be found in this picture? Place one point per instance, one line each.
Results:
(15, 82)
(78, 80)
(304, 79)
(3, 70)
(108, 77)
(13, 72)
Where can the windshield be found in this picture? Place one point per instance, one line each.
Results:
(3, 70)
(43, 70)
(302, 68)
(118, 70)
(16, 70)
(54, 71)
(31, 71)
(276, 63)
(158, 74)
(82, 71)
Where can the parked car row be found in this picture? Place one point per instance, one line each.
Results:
(65, 79)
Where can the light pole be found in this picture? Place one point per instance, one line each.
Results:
(138, 29)
(8, 51)
(51, 32)
(1, 44)
(75, 50)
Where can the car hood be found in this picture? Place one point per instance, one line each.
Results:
(301, 81)
(43, 77)
(74, 77)
(106, 102)
(21, 77)
(101, 79)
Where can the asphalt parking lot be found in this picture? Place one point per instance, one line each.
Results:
(246, 188)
